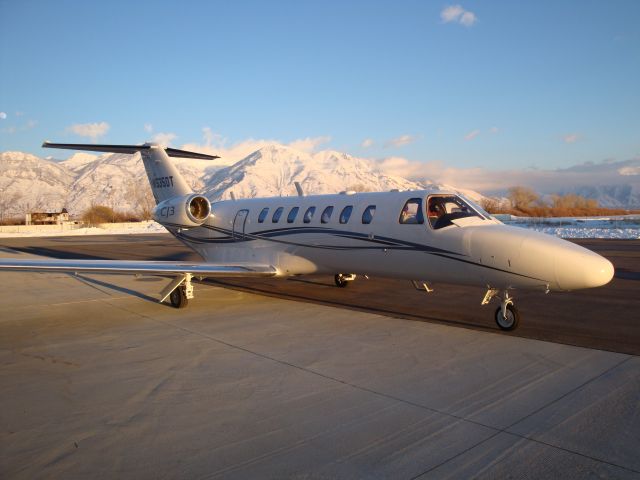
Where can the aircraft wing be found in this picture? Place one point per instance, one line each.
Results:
(139, 267)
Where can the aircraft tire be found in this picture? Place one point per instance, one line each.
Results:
(512, 320)
(340, 281)
(179, 298)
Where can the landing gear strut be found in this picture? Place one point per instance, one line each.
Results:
(343, 279)
(507, 315)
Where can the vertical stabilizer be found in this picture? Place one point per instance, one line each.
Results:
(165, 179)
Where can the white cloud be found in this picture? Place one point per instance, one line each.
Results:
(148, 127)
(571, 138)
(3, 115)
(451, 13)
(164, 138)
(366, 143)
(215, 144)
(309, 144)
(468, 18)
(627, 171)
(209, 136)
(91, 130)
(489, 181)
(21, 128)
(471, 135)
(401, 141)
(457, 14)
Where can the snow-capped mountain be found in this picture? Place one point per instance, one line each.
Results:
(30, 183)
(612, 196)
(272, 171)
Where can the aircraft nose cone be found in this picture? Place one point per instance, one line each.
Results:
(577, 267)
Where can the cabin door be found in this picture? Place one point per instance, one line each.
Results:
(239, 223)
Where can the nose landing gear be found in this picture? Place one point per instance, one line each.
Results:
(507, 315)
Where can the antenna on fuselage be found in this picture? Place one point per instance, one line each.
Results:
(232, 195)
(299, 189)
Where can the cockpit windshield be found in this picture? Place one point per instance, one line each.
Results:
(443, 209)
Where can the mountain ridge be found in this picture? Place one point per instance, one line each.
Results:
(119, 180)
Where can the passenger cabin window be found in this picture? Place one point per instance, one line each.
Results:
(292, 215)
(308, 215)
(368, 214)
(277, 214)
(346, 213)
(443, 209)
(326, 214)
(412, 212)
(263, 214)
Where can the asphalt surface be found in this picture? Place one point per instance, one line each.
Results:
(606, 318)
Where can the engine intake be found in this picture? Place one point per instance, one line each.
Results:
(187, 211)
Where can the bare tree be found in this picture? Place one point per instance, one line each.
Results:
(491, 205)
(140, 194)
(521, 198)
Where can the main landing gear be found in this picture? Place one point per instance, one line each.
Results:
(179, 291)
(507, 315)
(343, 279)
(178, 297)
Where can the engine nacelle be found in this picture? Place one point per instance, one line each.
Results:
(187, 211)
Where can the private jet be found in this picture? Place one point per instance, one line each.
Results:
(423, 236)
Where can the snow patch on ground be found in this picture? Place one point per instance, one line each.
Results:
(128, 229)
(627, 227)
(618, 227)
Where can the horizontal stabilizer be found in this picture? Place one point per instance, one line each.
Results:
(172, 152)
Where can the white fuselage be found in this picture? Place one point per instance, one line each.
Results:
(477, 250)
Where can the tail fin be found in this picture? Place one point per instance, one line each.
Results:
(165, 179)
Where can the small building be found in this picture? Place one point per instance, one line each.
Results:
(47, 218)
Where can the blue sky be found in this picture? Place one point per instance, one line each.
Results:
(543, 85)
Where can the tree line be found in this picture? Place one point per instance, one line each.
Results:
(523, 201)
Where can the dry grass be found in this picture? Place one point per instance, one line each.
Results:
(547, 211)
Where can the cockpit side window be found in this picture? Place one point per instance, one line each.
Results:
(443, 209)
(412, 212)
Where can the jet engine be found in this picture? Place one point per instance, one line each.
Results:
(187, 211)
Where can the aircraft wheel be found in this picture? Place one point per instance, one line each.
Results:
(179, 298)
(511, 321)
(340, 280)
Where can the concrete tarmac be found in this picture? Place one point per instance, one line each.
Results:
(98, 380)
(606, 318)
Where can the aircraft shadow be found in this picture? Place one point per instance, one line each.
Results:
(66, 255)
(93, 283)
(312, 282)
(273, 291)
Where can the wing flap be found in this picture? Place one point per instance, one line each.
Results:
(139, 267)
